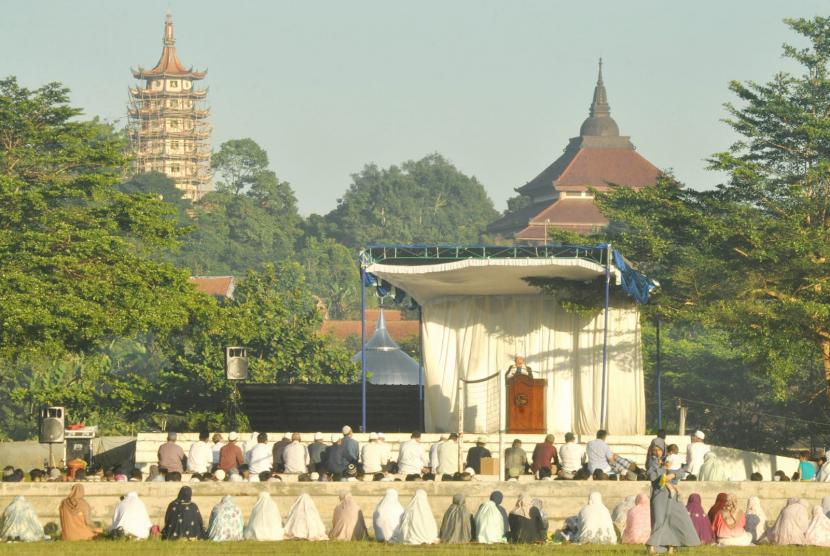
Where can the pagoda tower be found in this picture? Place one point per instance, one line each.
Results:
(167, 121)
(562, 195)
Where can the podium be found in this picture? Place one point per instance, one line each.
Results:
(526, 404)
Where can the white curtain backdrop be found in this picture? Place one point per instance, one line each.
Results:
(474, 336)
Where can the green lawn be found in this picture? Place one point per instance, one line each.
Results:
(115, 548)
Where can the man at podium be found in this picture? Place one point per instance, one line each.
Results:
(519, 368)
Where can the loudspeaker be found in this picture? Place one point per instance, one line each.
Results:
(79, 448)
(236, 363)
(51, 425)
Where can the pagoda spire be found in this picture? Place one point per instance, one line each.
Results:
(600, 106)
(169, 39)
(599, 121)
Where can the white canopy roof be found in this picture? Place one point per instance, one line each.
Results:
(501, 276)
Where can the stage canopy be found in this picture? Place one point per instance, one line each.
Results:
(479, 311)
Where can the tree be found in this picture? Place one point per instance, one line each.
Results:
(249, 221)
(750, 258)
(332, 275)
(428, 200)
(81, 264)
(275, 316)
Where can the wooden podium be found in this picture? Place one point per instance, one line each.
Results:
(526, 404)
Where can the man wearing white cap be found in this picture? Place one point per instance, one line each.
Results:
(230, 456)
(371, 455)
(317, 453)
(695, 452)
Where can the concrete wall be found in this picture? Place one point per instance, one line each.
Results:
(740, 464)
(562, 498)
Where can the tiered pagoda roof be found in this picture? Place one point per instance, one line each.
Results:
(559, 196)
(169, 64)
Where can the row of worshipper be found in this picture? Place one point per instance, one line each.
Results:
(630, 522)
(393, 523)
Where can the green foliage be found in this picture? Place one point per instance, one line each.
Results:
(424, 201)
(332, 275)
(249, 221)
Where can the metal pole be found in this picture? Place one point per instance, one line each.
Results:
(421, 367)
(659, 378)
(460, 405)
(603, 411)
(681, 429)
(502, 426)
(363, 346)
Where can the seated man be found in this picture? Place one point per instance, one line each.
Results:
(571, 456)
(599, 453)
(475, 454)
(545, 459)
(515, 460)
(519, 368)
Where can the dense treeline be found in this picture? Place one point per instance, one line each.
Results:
(97, 313)
(96, 309)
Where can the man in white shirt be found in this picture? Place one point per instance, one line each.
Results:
(387, 450)
(571, 456)
(200, 456)
(259, 456)
(296, 456)
(695, 452)
(433, 454)
(217, 447)
(371, 455)
(411, 457)
(448, 456)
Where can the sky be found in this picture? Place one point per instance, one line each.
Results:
(497, 87)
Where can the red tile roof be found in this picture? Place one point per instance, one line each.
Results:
(217, 286)
(398, 329)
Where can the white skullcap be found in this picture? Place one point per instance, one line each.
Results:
(233, 436)
(287, 436)
(318, 436)
(700, 435)
(373, 436)
(381, 435)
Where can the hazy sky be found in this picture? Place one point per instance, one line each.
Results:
(497, 87)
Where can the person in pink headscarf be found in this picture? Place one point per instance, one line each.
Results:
(638, 523)
(791, 525)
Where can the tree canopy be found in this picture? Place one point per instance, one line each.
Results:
(423, 201)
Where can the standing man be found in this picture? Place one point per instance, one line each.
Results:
(545, 459)
(200, 456)
(230, 456)
(296, 456)
(475, 454)
(171, 456)
(519, 368)
(371, 456)
(317, 454)
(571, 456)
(411, 456)
(515, 460)
(599, 453)
(448, 456)
(260, 455)
(695, 452)
(351, 445)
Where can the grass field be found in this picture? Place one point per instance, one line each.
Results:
(180, 548)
